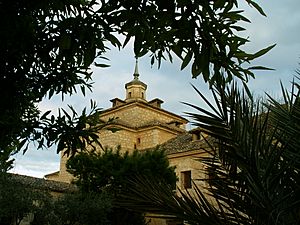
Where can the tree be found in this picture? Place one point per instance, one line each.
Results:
(75, 208)
(253, 167)
(17, 200)
(47, 48)
(110, 171)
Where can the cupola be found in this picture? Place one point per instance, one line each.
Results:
(135, 89)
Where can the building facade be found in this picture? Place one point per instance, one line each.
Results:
(144, 125)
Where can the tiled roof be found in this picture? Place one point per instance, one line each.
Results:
(40, 183)
(183, 143)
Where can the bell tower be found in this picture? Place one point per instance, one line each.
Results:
(135, 89)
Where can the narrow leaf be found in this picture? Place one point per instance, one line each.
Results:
(257, 7)
(186, 59)
(259, 68)
(44, 116)
(261, 52)
(101, 65)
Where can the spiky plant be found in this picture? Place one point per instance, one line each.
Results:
(252, 168)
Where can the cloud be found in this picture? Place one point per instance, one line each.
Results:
(36, 162)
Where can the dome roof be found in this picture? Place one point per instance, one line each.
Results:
(135, 81)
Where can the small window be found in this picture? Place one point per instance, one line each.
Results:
(134, 146)
(129, 94)
(138, 140)
(186, 179)
(196, 136)
(142, 94)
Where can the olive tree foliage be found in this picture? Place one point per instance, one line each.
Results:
(201, 33)
(47, 48)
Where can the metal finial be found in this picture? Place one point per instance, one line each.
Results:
(136, 70)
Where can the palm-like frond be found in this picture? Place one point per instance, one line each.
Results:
(252, 170)
(286, 116)
(148, 194)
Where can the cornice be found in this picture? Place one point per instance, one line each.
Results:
(143, 105)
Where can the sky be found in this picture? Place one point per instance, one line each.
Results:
(173, 86)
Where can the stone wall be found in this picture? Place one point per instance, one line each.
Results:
(128, 140)
(64, 176)
(143, 127)
(188, 161)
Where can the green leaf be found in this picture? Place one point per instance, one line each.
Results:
(238, 28)
(257, 7)
(186, 59)
(41, 143)
(51, 92)
(248, 91)
(44, 116)
(235, 15)
(177, 50)
(52, 119)
(128, 37)
(89, 56)
(82, 90)
(137, 46)
(114, 41)
(73, 110)
(259, 68)
(261, 52)
(26, 148)
(195, 70)
(66, 114)
(152, 60)
(101, 65)
(65, 42)
(21, 144)
(219, 4)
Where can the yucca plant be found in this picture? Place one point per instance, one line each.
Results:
(252, 168)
